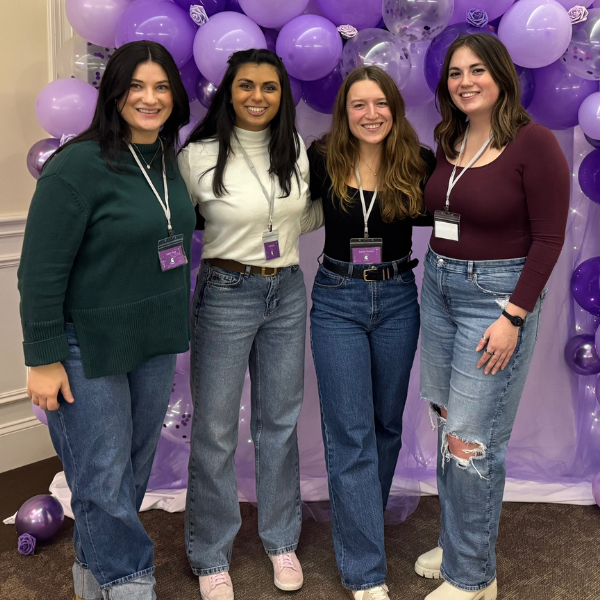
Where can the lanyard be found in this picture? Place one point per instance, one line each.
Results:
(454, 180)
(270, 197)
(366, 213)
(165, 204)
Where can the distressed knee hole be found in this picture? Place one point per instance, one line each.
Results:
(437, 413)
(463, 453)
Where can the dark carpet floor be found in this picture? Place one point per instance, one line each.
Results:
(545, 552)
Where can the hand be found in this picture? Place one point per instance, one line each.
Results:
(45, 383)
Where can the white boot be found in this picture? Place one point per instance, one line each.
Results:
(428, 564)
(449, 592)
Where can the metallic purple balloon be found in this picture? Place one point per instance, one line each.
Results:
(320, 94)
(361, 14)
(592, 142)
(158, 21)
(310, 47)
(41, 516)
(39, 153)
(177, 424)
(296, 86)
(589, 116)
(205, 91)
(212, 7)
(581, 355)
(189, 77)
(558, 95)
(527, 85)
(585, 284)
(589, 176)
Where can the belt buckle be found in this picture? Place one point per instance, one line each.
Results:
(263, 271)
(366, 271)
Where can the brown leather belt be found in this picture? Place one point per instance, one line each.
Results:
(235, 266)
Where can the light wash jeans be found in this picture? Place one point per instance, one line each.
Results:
(460, 299)
(240, 320)
(106, 442)
(364, 338)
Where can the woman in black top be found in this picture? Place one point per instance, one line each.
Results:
(369, 171)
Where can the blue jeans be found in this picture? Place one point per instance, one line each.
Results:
(242, 320)
(106, 442)
(460, 299)
(364, 337)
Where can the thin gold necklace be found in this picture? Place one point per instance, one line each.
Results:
(368, 167)
(148, 164)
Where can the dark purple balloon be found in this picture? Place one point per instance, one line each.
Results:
(527, 85)
(558, 96)
(271, 37)
(581, 355)
(589, 176)
(41, 516)
(212, 7)
(234, 6)
(595, 143)
(205, 91)
(39, 153)
(296, 86)
(436, 54)
(320, 94)
(189, 77)
(585, 284)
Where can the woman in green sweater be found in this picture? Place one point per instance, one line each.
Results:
(104, 285)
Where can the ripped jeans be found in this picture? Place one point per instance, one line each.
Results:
(459, 300)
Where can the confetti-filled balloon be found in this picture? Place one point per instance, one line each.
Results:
(82, 60)
(417, 20)
(583, 54)
(177, 424)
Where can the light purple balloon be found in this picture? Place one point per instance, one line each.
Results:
(158, 21)
(212, 7)
(535, 32)
(558, 96)
(41, 516)
(40, 413)
(493, 9)
(310, 47)
(416, 92)
(205, 91)
(95, 20)
(362, 14)
(589, 116)
(377, 48)
(185, 131)
(268, 13)
(189, 77)
(417, 20)
(583, 54)
(224, 34)
(37, 156)
(581, 356)
(296, 86)
(569, 4)
(66, 106)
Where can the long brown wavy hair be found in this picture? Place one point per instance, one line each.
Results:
(400, 192)
(508, 116)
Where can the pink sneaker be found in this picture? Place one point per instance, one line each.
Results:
(216, 587)
(287, 572)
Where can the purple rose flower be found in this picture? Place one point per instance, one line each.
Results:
(347, 31)
(198, 14)
(477, 17)
(26, 544)
(578, 14)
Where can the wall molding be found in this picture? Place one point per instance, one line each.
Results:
(13, 396)
(59, 31)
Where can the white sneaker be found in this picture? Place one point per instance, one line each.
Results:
(216, 587)
(377, 593)
(428, 565)
(449, 592)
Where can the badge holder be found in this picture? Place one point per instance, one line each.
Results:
(271, 244)
(171, 253)
(366, 251)
(446, 225)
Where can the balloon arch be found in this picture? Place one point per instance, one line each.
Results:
(555, 450)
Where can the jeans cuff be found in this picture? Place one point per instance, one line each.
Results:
(210, 571)
(364, 586)
(85, 584)
(282, 550)
(461, 586)
(139, 586)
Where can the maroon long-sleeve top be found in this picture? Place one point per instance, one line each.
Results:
(515, 206)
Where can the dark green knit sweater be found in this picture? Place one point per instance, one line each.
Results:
(90, 255)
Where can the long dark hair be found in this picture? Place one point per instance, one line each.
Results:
(220, 120)
(508, 116)
(108, 127)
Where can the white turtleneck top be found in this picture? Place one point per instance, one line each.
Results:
(235, 223)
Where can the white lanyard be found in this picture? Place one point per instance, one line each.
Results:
(454, 180)
(165, 204)
(366, 213)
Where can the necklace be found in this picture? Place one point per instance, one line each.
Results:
(148, 164)
(368, 167)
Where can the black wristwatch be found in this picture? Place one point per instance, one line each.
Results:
(516, 321)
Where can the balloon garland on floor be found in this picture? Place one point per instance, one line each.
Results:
(555, 45)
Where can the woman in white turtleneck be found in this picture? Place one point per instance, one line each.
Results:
(247, 171)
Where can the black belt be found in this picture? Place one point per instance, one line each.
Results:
(372, 273)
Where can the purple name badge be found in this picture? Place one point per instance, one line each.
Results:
(172, 258)
(271, 244)
(368, 255)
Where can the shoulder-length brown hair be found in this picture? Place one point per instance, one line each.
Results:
(508, 115)
(402, 168)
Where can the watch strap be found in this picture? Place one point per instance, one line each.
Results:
(516, 321)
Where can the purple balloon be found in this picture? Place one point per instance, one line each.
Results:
(581, 355)
(95, 20)
(558, 95)
(270, 37)
(41, 516)
(205, 91)
(527, 85)
(320, 94)
(569, 4)
(583, 54)
(177, 423)
(361, 14)
(596, 488)
(310, 47)
(158, 21)
(493, 9)
(417, 20)
(589, 176)
(434, 60)
(296, 86)
(268, 13)
(535, 32)
(196, 251)
(592, 142)
(234, 6)
(416, 92)
(185, 131)
(40, 414)
(212, 7)
(189, 77)
(37, 156)
(66, 106)
(224, 34)
(589, 115)
(585, 285)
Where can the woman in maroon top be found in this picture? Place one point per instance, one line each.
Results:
(500, 197)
